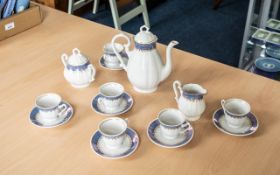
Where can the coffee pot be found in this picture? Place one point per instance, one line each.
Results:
(145, 69)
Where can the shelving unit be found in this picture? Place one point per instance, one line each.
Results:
(249, 51)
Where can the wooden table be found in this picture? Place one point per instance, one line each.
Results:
(30, 65)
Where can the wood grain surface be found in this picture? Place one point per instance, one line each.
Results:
(30, 65)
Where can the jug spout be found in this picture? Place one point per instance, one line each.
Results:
(194, 90)
(168, 65)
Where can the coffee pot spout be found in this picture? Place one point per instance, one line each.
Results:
(168, 65)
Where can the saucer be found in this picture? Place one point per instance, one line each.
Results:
(110, 67)
(250, 125)
(128, 147)
(36, 119)
(126, 104)
(154, 134)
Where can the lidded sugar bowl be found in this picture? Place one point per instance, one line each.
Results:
(78, 71)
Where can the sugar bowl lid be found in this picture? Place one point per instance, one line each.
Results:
(77, 59)
(145, 36)
(268, 64)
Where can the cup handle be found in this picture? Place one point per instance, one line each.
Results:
(185, 126)
(93, 71)
(66, 111)
(126, 120)
(223, 104)
(63, 109)
(100, 101)
(177, 84)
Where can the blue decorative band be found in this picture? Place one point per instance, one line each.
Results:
(192, 96)
(145, 46)
(81, 67)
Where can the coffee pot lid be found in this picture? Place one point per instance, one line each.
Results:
(77, 59)
(145, 36)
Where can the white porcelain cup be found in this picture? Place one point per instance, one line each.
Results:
(110, 57)
(50, 107)
(172, 123)
(235, 111)
(112, 94)
(113, 131)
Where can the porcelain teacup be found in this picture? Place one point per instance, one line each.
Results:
(50, 107)
(113, 131)
(172, 123)
(112, 94)
(235, 111)
(110, 58)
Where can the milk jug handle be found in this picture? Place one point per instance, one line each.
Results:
(175, 85)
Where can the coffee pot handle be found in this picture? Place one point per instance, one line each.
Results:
(176, 84)
(93, 72)
(64, 109)
(126, 46)
(64, 59)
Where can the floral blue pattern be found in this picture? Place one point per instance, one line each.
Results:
(145, 46)
(79, 68)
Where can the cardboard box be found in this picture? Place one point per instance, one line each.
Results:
(20, 22)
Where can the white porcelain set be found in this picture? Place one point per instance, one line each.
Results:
(78, 71)
(145, 70)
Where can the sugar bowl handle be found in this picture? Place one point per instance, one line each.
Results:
(177, 84)
(64, 59)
